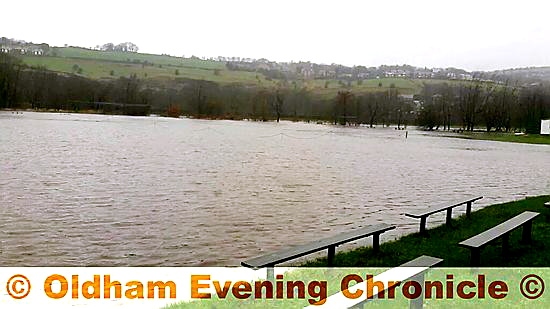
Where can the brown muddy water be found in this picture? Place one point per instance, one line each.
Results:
(97, 190)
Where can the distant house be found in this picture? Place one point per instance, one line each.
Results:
(18, 50)
(406, 97)
(22, 49)
(308, 73)
(37, 51)
(396, 73)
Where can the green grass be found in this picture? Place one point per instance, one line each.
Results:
(508, 137)
(75, 52)
(98, 69)
(404, 86)
(99, 64)
(442, 241)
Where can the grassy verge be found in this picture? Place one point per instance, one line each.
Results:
(442, 241)
(509, 137)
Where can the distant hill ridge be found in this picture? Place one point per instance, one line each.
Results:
(127, 53)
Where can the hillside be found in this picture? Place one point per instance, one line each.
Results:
(111, 65)
(534, 74)
(96, 64)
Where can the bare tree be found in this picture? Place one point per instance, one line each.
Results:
(343, 98)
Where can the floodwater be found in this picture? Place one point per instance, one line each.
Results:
(97, 190)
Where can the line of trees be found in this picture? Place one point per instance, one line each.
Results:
(383, 107)
(122, 47)
(495, 107)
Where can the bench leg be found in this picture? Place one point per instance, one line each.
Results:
(270, 273)
(449, 216)
(418, 303)
(505, 243)
(474, 257)
(526, 235)
(330, 257)
(423, 226)
(376, 242)
(468, 209)
(270, 276)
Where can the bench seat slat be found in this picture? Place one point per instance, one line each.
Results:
(493, 233)
(429, 211)
(423, 261)
(301, 250)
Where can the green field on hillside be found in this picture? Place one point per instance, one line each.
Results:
(98, 69)
(74, 52)
(97, 64)
(404, 85)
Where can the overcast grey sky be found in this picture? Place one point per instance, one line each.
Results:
(474, 35)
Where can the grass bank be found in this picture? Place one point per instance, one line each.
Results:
(442, 241)
(508, 137)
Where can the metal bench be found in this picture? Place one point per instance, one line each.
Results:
(424, 213)
(412, 270)
(503, 230)
(330, 243)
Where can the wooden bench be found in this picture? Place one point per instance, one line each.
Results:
(424, 213)
(412, 270)
(270, 260)
(477, 242)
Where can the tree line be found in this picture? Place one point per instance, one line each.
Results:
(495, 107)
(121, 47)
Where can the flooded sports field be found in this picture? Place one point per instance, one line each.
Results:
(98, 190)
